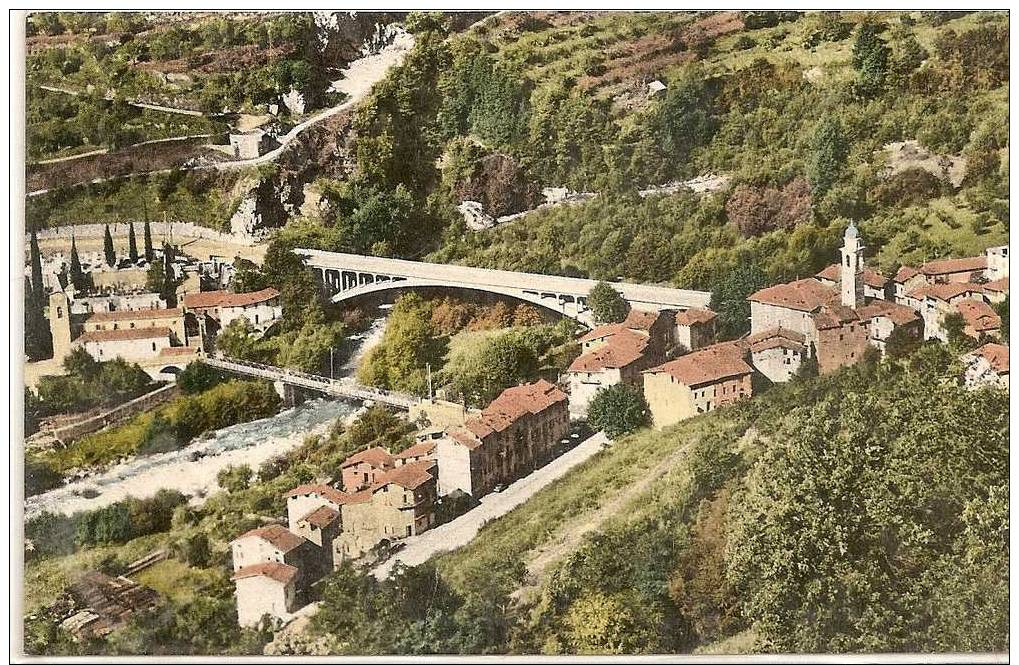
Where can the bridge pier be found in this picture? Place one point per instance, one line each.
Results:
(289, 393)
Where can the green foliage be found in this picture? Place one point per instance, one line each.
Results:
(150, 253)
(198, 377)
(409, 344)
(234, 478)
(729, 300)
(830, 151)
(617, 410)
(76, 274)
(479, 375)
(108, 252)
(1001, 309)
(105, 525)
(870, 57)
(607, 305)
(132, 244)
(38, 338)
(89, 384)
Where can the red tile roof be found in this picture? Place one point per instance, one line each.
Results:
(708, 365)
(410, 476)
(804, 295)
(952, 266)
(995, 354)
(377, 457)
(514, 403)
(125, 335)
(898, 314)
(693, 316)
(321, 517)
(276, 535)
(325, 491)
(904, 274)
(946, 291)
(639, 319)
(274, 570)
(206, 299)
(833, 316)
(417, 450)
(871, 278)
(979, 315)
(775, 338)
(997, 286)
(135, 315)
(620, 350)
(465, 437)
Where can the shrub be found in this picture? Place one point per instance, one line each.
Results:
(617, 410)
(607, 305)
(234, 478)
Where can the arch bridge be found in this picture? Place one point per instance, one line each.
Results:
(348, 276)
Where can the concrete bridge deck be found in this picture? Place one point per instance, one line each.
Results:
(343, 388)
(349, 272)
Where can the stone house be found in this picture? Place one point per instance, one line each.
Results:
(619, 359)
(944, 271)
(134, 345)
(511, 437)
(698, 382)
(172, 318)
(996, 291)
(934, 302)
(777, 353)
(986, 366)
(424, 449)
(841, 337)
(789, 306)
(997, 262)
(694, 328)
(883, 317)
(980, 318)
(398, 505)
(363, 469)
(261, 308)
(268, 588)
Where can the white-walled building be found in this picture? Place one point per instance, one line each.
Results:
(997, 262)
(986, 367)
(777, 353)
(265, 589)
(260, 308)
(130, 344)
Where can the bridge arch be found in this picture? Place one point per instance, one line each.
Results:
(562, 304)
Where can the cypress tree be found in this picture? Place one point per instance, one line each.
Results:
(38, 339)
(169, 290)
(132, 244)
(150, 253)
(830, 153)
(37, 290)
(76, 274)
(108, 251)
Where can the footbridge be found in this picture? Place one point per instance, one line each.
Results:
(342, 388)
(348, 276)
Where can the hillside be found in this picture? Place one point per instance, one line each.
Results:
(811, 519)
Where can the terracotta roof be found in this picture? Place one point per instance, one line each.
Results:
(898, 314)
(708, 365)
(602, 331)
(325, 491)
(417, 450)
(979, 315)
(411, 475)
(321, 517)
(995, 354)
(904, 274)
(945, 292)
(694, 315)
(639, 319)
(805, 295)
(207, 299)
(274, 570)
(378, 457)
(465, 437)
(125, 335)
(871, 278)
(951, 266)
(622, 349)
(833, 316)
(997, 286)
(775, 338)
(514, 403)
(276, 535)
(135, 315)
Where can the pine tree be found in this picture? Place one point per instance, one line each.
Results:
(830, 152)
(150, 253)
(38, 339)
(37, 291)
(132, 244)
(77, 276)
(108, 252)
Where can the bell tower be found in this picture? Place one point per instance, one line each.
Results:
(851, 274)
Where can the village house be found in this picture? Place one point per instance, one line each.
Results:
(620, 359)
(511, 437)
(944, 271)
(980, 319)
(260, 308)
(131, 345)
(996, 291)
(694, 328)
(698, 382)
(117, 302)
(935, 302)
(986, 366)
(777, 353)
(172, 318)
(362, 469)
(398, 505)
(883, 317)
(997, 263)
(273, 568)
(424, 449)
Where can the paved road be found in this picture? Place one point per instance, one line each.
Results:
(462, 530)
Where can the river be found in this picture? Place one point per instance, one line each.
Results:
(192, 470)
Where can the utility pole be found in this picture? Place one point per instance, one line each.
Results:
(428, 366)
(331, 365)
